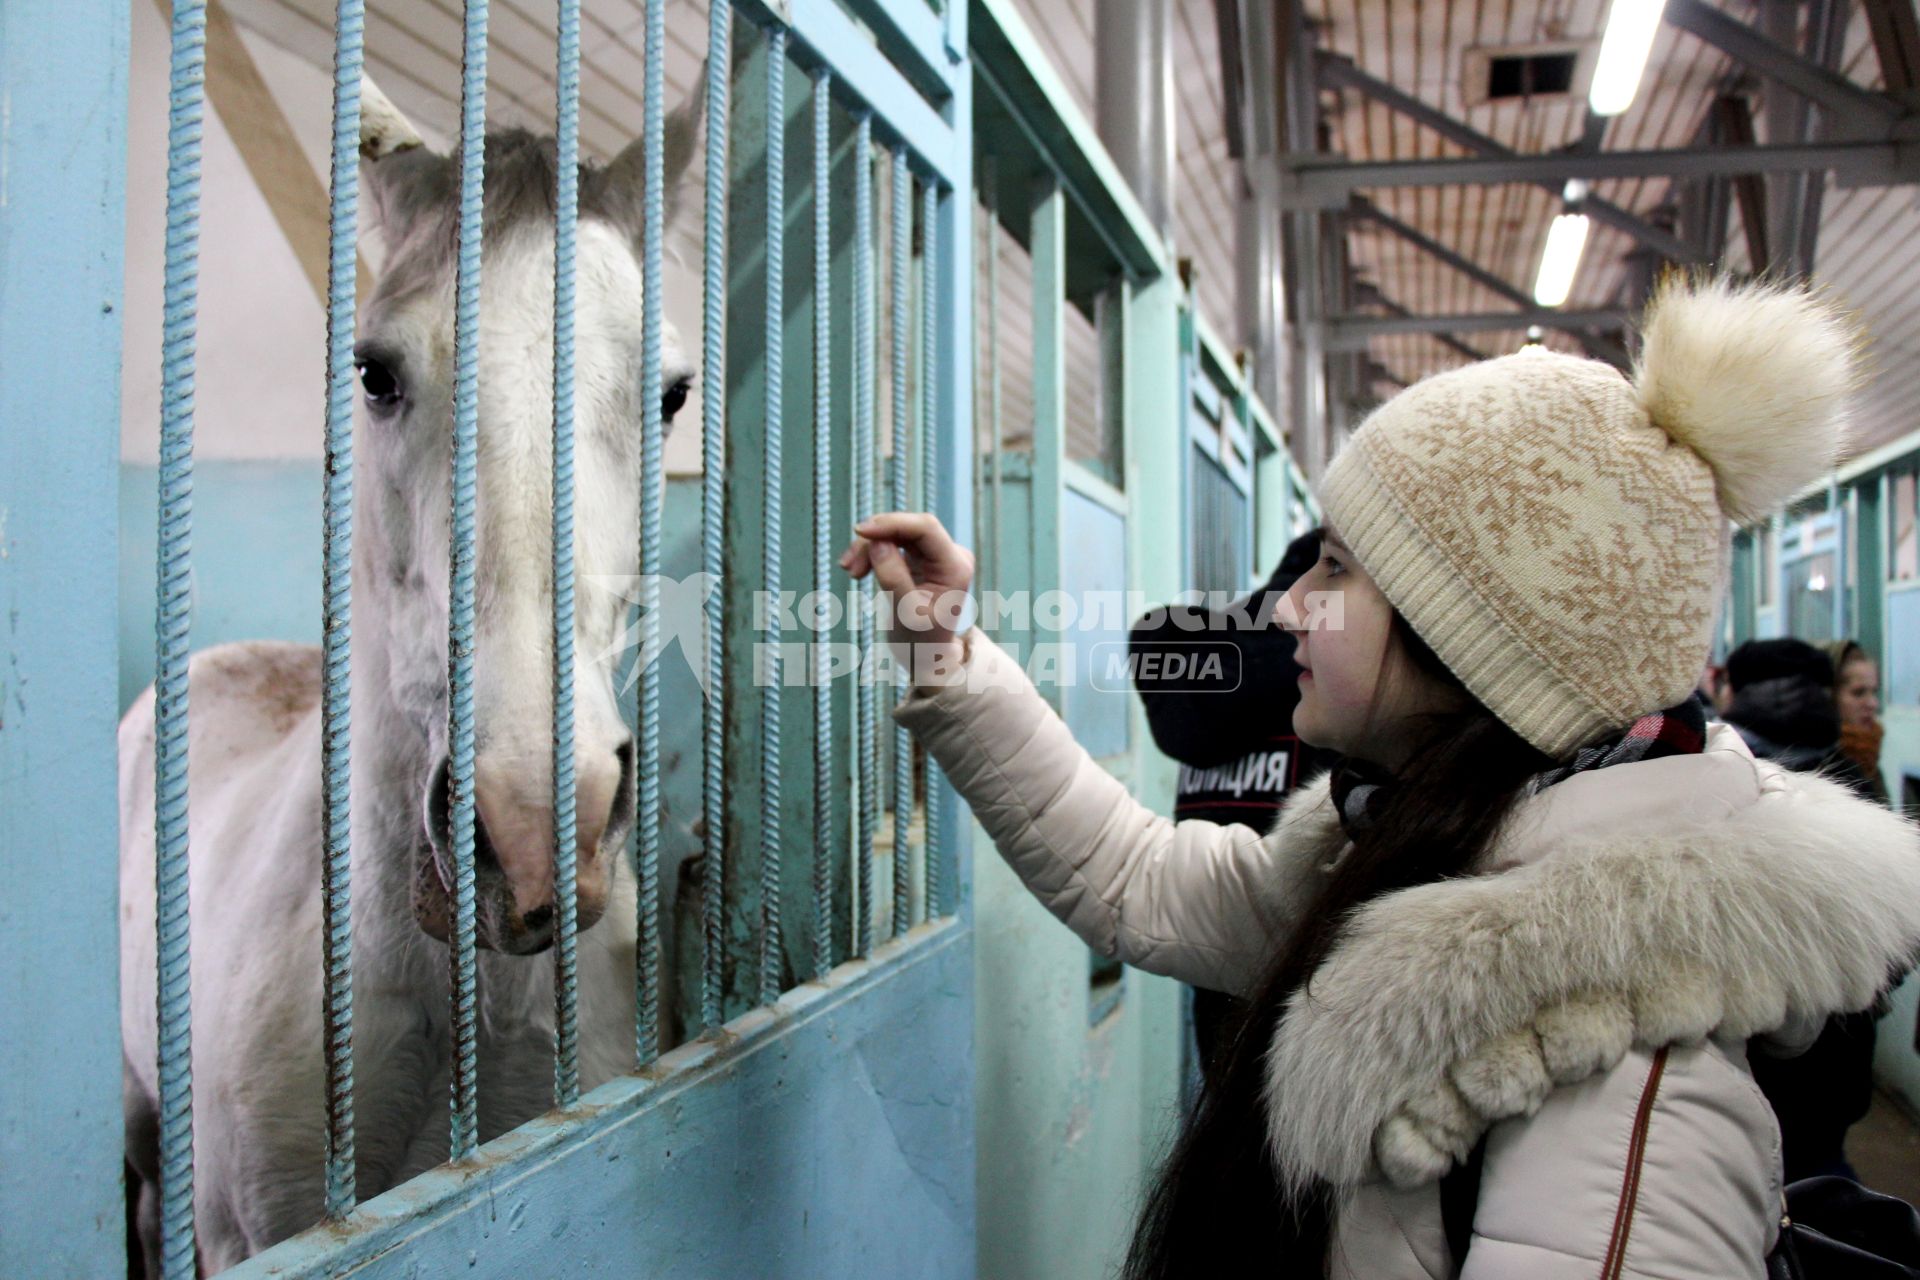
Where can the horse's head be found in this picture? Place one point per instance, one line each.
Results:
(406, 358)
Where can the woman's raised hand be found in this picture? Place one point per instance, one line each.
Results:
(915, 560)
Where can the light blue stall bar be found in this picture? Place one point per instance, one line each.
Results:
(647, 807)
(929, 455)
(336, 621)
(185, 109)
(900, 321)
(713, 419)
(566, 883)
(466, 426)
(866, 737)
(823, 835)
(770, 829)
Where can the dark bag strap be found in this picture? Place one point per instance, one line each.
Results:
(1459, 1195)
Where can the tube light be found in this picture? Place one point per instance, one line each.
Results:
(1566, 238)
(1623, 54)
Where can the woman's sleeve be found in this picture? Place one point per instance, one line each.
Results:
(1196, 901)
(1665, 1167)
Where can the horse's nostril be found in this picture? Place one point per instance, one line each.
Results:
(538, 918)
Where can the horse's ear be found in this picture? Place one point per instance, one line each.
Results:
(400, 174)
(619, 190)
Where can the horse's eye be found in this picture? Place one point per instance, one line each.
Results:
(377, 380)
(674, 400)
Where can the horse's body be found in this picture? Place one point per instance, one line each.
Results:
(254, 744)
(259, 1076)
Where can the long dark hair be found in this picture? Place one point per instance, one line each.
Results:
(1217, 1208)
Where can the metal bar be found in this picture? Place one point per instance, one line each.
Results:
(185, 111)
(1338, 72)
(460, 730)
(1896, 42)
(713, 425)
(1364, 208)
(1343, 332)
(770, 826)
(900, 321)
(1325, 184)
(1849, 103)
(929, 457)
(1655, 238)
(914, 37)
(1335, 71)
(1122, 226)
(865, 738)
(997, 422)
(1047, 239)
(821, 35)
(652, 436)
(823, 799)
(336, 624)
(566, 885)
(951, 436)
(1734, 118)
(1367, 294)
(1826, 44)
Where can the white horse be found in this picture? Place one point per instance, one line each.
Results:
(259, 1077)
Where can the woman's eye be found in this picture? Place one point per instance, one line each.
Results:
(377, 380)
(1332, 565)
(674, 400)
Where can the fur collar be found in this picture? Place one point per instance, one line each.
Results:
(1759, 900)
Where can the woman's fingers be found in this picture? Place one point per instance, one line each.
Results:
(890, 569)
(856, 559)
(923, 536)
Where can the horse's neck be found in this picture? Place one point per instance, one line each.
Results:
(390, 767)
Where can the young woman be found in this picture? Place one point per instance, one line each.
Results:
(1856, 696)
(1526, 927)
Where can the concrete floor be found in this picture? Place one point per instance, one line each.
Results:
(1884, 1149)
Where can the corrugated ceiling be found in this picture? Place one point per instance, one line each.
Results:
(1870, 238)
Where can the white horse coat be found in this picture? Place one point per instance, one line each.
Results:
(254, 739)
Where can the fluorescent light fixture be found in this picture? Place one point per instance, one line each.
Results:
(1565, 240)
(1623, 54)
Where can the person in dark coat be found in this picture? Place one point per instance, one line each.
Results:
(1783, 707)
(1237, 767)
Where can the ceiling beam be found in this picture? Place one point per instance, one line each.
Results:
(1367, 294)
(1896, 39)
(1361, 207)
(1337, 72)
(1599, 347)
(1321, 183)
(1853, 109)
(258, 127)
(1352, 332)
(1733, 121)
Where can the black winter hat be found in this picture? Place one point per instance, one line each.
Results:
(1759, 660)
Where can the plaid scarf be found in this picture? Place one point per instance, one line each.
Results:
(1363, 790)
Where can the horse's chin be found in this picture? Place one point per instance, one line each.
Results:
(432, 898)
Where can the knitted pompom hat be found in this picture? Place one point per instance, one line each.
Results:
(1558, 533)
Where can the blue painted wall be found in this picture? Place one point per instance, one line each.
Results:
(63, 85)
(256, 558)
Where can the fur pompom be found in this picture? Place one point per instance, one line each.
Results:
(1754, 379)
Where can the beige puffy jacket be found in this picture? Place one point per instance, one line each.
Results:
(1584, 1002)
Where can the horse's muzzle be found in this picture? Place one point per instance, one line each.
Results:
(515, 905)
